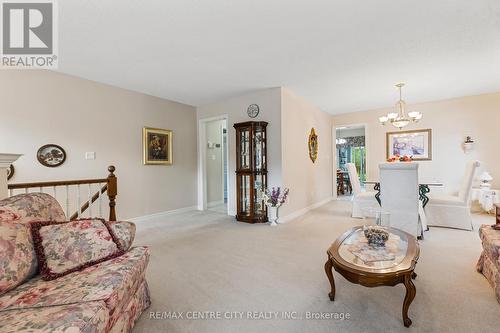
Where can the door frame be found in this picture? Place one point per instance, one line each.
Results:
(367, 151)
(202, 159)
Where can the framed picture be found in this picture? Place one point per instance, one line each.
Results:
(417, 143)
(157, 146)
(51, 155)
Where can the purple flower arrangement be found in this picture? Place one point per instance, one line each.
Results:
(276, 196)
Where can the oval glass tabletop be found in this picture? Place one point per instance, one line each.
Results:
(355, 250)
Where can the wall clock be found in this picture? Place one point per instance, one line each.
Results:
(51, 155)
(253, 110)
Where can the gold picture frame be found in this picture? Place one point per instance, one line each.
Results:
(157, 146)
(415, 143)
(313, 145)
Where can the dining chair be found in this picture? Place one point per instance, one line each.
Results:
(360, 200)
(399, 195)
(453, 211)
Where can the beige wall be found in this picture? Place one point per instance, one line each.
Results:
(451, 121)
(269, 101)
(214, 160)
(309, 183)
(40, 107)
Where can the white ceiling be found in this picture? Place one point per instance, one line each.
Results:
(341, 55)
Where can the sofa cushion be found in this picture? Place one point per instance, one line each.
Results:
(124, 232)
(66, 247)
(89, 317)
(16, 255)
(113, 281)
(26, 208)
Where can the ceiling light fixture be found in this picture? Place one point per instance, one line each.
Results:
(400, 119)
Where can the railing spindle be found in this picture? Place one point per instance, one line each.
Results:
(55, 192)
(11, 191)
(41, 189)
(67, 201)
(90, 200)
(79, 200)
(100, 201)
(26, 190)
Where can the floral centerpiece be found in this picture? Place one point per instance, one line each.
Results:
(274, 198)
(399, 158)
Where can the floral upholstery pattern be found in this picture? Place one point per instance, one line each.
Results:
(106, 297)
(110, 281)
(24, 209)
(489, 261)
(65, 247)
(88, 317)
(124, 232)
(124, 320)
(16, 255)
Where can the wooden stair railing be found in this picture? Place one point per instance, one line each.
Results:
(110, 188)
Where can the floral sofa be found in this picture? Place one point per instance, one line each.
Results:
(489, 261)
(107, 297)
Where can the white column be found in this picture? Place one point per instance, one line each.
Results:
(5, 161)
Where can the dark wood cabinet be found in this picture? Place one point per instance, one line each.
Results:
(251, 171)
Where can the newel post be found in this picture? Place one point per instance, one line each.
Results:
(112, 192)
(5, 161)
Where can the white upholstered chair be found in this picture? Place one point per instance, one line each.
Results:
(400, 195)
(453, 211)
(361, 200)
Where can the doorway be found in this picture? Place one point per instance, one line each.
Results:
(214, 144)
(350, 142)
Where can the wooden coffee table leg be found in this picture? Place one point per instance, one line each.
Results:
(411, 291)
(329, 273)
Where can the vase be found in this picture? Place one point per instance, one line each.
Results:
(273, 215)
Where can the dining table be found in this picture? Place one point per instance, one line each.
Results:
(424, 188)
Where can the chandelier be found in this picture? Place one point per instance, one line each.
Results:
(400, 119)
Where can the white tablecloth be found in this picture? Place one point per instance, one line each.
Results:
(486, 198)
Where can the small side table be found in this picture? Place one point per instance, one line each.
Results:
(487, 198)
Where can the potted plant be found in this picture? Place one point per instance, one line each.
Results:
(274, 198)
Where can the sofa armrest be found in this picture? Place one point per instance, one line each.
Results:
(124, 232)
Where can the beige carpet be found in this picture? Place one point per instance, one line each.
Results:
(206, 262)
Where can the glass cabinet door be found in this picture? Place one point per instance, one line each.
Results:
(259, 207)
(245, 195)
(244, 141)
(259, 148)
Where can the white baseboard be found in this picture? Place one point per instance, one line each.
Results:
(146, 218)
(300, 212)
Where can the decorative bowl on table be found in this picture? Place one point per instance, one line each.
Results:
(376, 236)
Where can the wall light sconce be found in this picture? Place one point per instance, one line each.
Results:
(468, 145)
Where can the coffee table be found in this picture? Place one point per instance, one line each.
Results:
(398, 269)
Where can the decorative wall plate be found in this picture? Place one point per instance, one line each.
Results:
(253, 110)
(313, 145)
(10, 172)
(51, 155)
